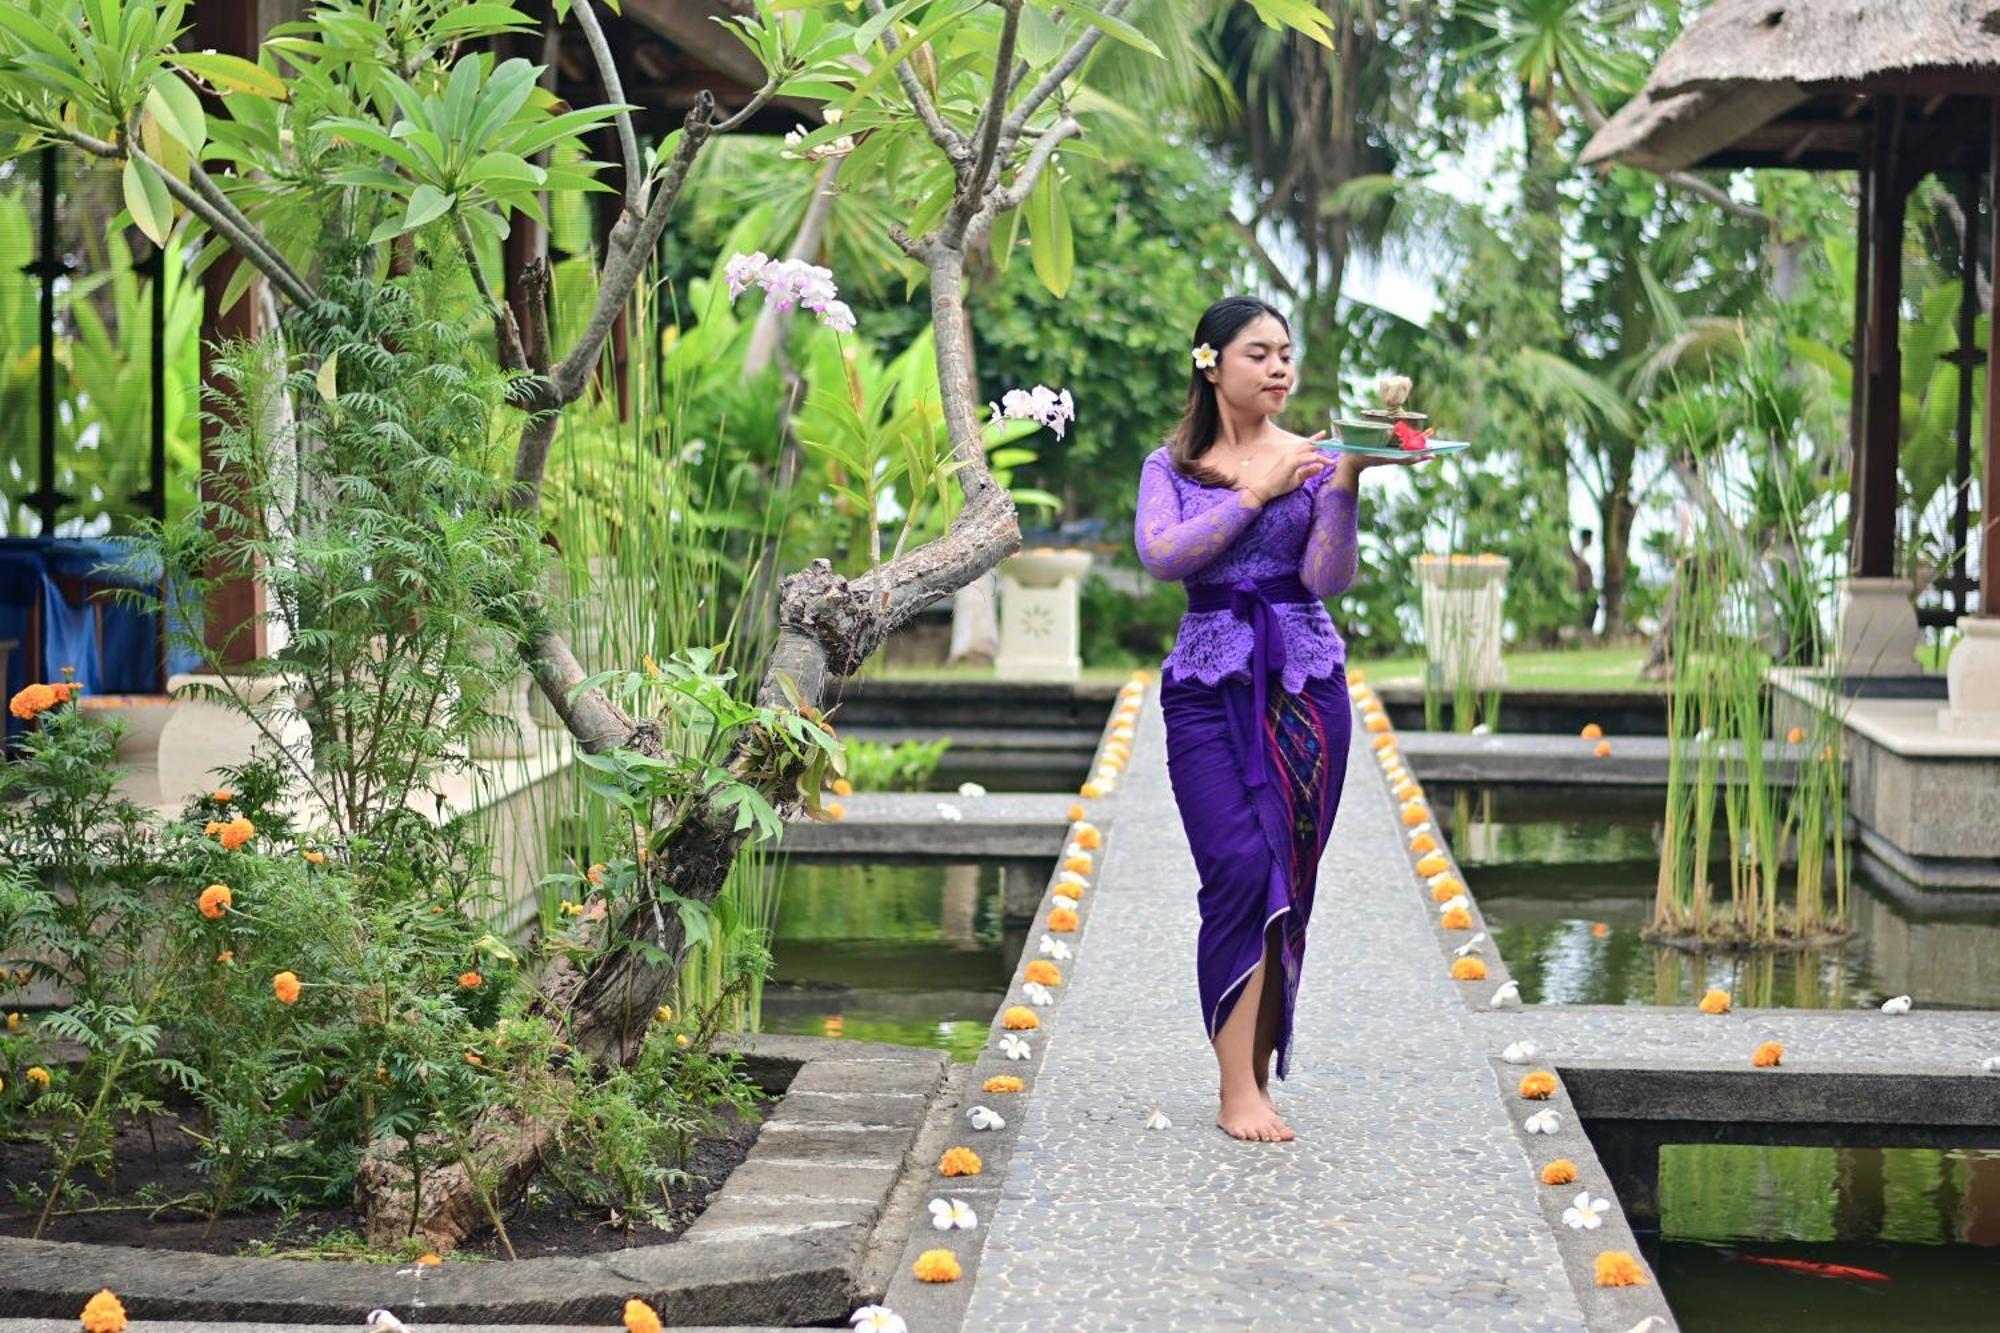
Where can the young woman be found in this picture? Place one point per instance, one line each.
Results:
(1259, 523)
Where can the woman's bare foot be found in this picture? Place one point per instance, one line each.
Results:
(1254, 1119)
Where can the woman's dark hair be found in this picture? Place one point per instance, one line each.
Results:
(1218, 327)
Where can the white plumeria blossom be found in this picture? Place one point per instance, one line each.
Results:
(1991, 1064)
(1081, 827)
(1055, 948)
(953, 1215)
(1420, 830)
(877, 1319)
(971, 790)
(1586, 1214)
(1899, 1005)
(1038, 994)
(1054, 409)
(1204, 357)
(381, 1321)
(1078, 852)
(1063, 899)
(1471, 944)
(948, 812)
(1519, 1053)
(1453, 903)
(985, 1117)
(1509, 993)
(1016, 1048)
(1068, 878)
(1544, 1121)
(1158, 1120)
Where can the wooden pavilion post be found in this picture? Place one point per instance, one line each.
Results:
(1879, 375)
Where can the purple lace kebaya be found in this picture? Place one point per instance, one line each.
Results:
(1191, 533)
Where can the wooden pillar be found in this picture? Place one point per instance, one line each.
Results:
(1880, 372)
(1966, 359)
(1989, 511)
(233, 626)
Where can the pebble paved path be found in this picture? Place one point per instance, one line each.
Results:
(1405, 1202)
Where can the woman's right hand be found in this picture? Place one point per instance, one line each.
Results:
(1284, 469)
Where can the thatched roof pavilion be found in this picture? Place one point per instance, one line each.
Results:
(1898, 90)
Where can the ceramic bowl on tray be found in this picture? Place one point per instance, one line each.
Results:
(1375, 433)
(1393, 415)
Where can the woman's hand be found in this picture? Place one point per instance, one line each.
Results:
(1284, 469)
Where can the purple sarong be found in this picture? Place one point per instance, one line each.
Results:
(1257, 796)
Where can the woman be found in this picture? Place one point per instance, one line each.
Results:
(1259, 523)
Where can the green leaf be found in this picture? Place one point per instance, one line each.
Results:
(1113, 26)
(231, 74)
(146, 195)
(1049, 235)
(326, 379)
(1298, 15)
(427, 205)
(177, 109)
(480, 19)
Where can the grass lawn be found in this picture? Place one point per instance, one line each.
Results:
(1557, 669)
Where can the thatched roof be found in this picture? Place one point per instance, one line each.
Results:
(1775, 82)
(1828, 41)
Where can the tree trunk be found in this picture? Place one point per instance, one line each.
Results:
(1616, 514)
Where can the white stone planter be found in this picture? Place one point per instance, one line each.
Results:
(1973, 679)
(1038, 620)
(1877, 627)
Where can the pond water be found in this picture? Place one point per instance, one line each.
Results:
(919, 954)
(1759, 1237)
(1565, 880)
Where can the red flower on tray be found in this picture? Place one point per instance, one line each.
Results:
(1411, 441)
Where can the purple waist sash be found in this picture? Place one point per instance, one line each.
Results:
(1255, 602)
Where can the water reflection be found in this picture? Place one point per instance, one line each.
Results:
(1565, 879)
(1759, 1237)
(916, 954)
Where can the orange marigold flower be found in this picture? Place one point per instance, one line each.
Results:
(234, 833)
(1423, 842)
(1562, 1171)
(1090, 791)
(1406, 791)
(833, 810)
(1615, 1268)
(1795, 735)
(470, 981)
(103, 1313)
(14, 1021)
(1715, 1002)
(1381, 742)
(1768, 1055)
(211, 828)
(842, 787)
(37, 1077)
(215, 900)
(286, 987)
(640, 1317)
(1456, 919)
(1377, 722)
(474, 1058)
(1044, 972)
(936, 1266)
(222, 796)
(1591, 731)
(226, 956)
(1088, 838)
(1447, 888)
(596, 873)
(430, 1260)
(1062, 920)
(1003, 1083)
(1020, 1018)
(1468, 969)
(1602, 749)
(1415, 813)
(1600, 930)
(1357, 677)
(317, 858)
(1538, 1085)
(1076, 811)
(31, 700)
(1434, 863)
(1077, 865)
(960, 1162)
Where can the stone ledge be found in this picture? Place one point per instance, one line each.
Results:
(1825, 1094)
(743, 1262)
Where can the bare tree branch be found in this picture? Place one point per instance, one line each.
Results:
(1024, 179)
(1010, 133)
(757, 103)
(943, 135)
(988, 129)
(614, 89)
(506, 333)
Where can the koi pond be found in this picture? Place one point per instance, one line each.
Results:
(1754, 1237)
(1565, 879)
(919, 954)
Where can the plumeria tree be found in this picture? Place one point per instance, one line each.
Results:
(396, 126)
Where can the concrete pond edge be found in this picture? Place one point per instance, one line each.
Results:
(780, 1244)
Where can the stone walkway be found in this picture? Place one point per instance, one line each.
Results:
(1410, 1199)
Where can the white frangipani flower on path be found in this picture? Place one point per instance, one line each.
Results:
(985, 1117)
(1038, 994)
(971, 790)
(1586, 1214)
(1158, 1120)
(1544, 1121)
(1055, 948)
(1453, 903)
(1991, 1064)
(1509, 993)
(1899, 1005)
(1471, 944)
(877, 1319)
(948, 812)
(1519, 1053)
(953, 1214)
(1016, 1048)
(381, 1321)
